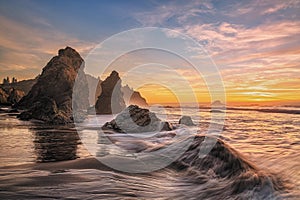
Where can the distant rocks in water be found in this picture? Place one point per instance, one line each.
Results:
(134, 119)
(10, 97)
(111, 98)
(108, 96)
(50, 99)
(217, 105)
(132, 97)
(186, 120)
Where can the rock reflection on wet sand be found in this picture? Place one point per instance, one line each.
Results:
(55, 145)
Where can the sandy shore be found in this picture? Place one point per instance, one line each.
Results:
(85, 163)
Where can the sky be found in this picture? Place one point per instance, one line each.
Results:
(255, 44)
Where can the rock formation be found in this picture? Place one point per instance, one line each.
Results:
(137, 120)
(10, 97)
(24, 85)
(3, 96)
(50, 99)
(186, 120)
(217, 105)
(15, 96)
(111, 98)
(132, 97)
(94, 88)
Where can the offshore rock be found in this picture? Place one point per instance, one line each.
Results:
(52, 92)
(111, 97)
(186, 120)
(134, 119)
(132, 97)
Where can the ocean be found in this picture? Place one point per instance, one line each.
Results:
(39, 161)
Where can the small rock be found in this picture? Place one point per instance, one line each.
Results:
(186, 120)
(134, 119)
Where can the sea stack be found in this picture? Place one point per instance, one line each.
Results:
(111, 98)
(132, 97)
(50, 98)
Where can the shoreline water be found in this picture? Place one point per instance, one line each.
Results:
(271, 150)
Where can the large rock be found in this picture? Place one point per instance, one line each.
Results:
(132, 97)
(54, 87)
(111, 98)
(46, 110)
(134, 119)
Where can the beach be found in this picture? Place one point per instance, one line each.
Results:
(269, 141)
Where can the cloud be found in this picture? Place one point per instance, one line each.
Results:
(181, 12)
(27, 49)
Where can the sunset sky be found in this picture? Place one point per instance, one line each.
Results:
(255, 44)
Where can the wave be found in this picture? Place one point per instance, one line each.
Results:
(267, 110)
(281, 109)
(222, 173)
(235, 175)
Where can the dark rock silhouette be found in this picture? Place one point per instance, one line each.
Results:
(15, 96)
(53, 90)
(132, 97)
(24, 85)
(10, 96)
(3, 96)
(134, 119)
(46, 110)
(111, 98)
(186, 120)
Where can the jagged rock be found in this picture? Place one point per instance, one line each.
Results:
(45, 109)
(15, 96)
(24, 85)
(111, 98)
(132, 97)
(186, 120)
(134, 119)
(94, 88)
(3, 96)
(53, 90)
(10, 96)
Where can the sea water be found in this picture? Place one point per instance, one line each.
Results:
(270, 140)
